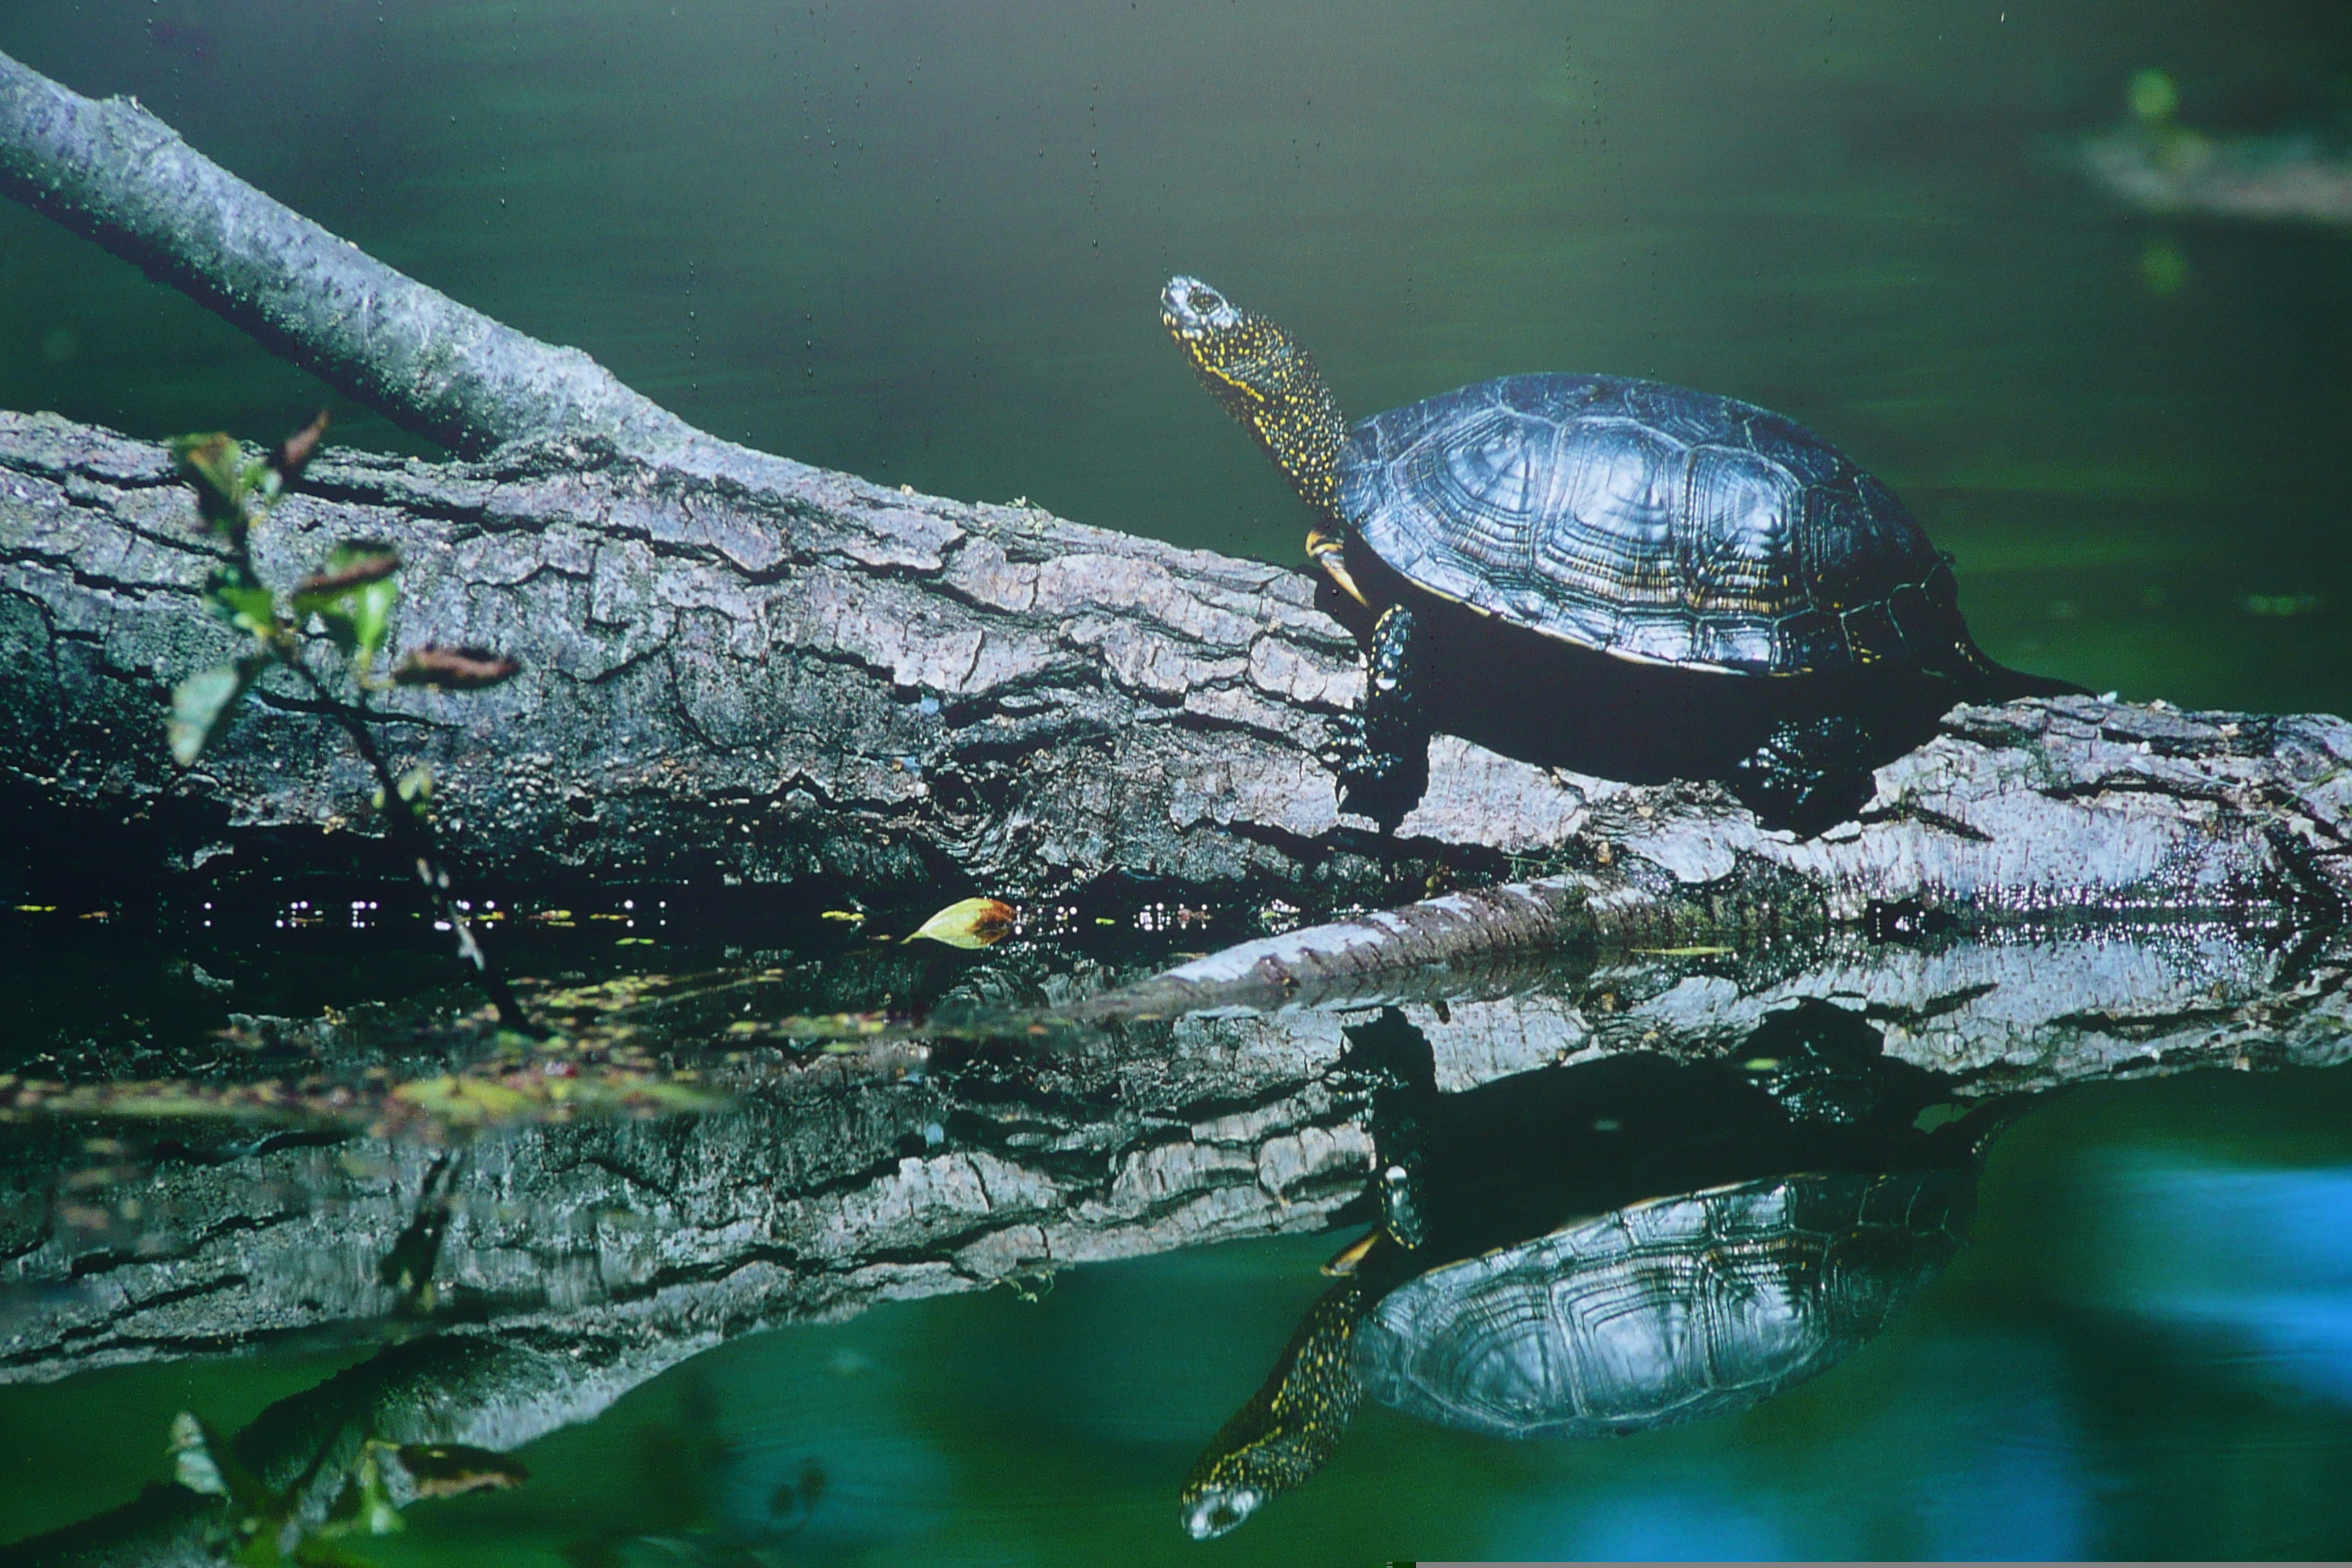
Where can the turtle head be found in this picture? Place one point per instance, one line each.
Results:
(1194, 311)
(1214, 1511)
(1266, 381)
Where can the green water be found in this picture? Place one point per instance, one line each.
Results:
(924, 243)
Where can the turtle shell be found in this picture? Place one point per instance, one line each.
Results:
(1653, 523)
(1664, 1311)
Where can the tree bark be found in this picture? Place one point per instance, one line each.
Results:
(113, 172)
(725, 681)
(836, 1185)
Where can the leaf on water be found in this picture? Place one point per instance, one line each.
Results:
(464, 1100)
(970, 923)
(201, 706)
(1685, 952)
(837, 1026)
(353, 593)
(532, 1093)
(455, 668)
(448, 1469)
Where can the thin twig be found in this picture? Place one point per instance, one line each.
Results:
(411, 832)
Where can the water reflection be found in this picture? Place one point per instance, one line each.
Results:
(1984, 1456)
(786, 1456)
(1612, 1248)
(2250, 1267)
(1725, 1170)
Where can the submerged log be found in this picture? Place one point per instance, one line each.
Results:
(739, 668)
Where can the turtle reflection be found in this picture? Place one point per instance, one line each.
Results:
(1613, 1246)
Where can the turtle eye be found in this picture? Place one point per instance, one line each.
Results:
(1203, 300)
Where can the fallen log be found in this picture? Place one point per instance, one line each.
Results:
(739, 668)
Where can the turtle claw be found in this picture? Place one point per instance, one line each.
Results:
(1343, 750)
(1376, 781)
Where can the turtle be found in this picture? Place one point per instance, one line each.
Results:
(1669, 1309)
(1612, 1246)
(1637, 556)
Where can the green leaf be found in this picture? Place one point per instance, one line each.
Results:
(238, 598)
(353, 593)
(415, 788)
(260, 480)
(371, 618)
(201, 706)
(214, 465)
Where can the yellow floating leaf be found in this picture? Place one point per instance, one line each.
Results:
(853, 917)
(1685, 952)
(970, 922)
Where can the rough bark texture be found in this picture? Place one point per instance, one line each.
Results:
(841, 1185)
(809, 673)
(722, 679)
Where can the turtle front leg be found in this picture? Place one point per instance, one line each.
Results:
(1808, 775)
(1382, 753)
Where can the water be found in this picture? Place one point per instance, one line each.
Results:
(924, 244)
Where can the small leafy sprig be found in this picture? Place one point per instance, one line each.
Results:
(350, 597)
(260, 1526)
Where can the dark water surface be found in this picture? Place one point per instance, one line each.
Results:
(924, 242)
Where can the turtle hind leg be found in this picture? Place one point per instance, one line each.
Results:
(1382, 753)
(1809, 774)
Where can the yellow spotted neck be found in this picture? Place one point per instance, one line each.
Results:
(1270, 384)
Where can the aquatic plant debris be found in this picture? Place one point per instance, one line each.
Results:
(970, 923)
